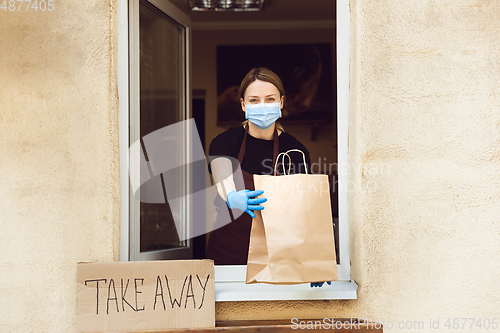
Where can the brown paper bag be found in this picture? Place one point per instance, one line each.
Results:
(292, 239)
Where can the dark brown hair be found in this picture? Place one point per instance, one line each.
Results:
(261, 74)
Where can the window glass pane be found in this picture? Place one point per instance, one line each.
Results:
(162, 103)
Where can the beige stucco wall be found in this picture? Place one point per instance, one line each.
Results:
(425, 104)
(59, 171)
(426, 101)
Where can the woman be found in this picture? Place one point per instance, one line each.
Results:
(255, 145)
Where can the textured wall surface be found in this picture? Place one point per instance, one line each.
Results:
(425, 144)
(59, 180)
(424, 147)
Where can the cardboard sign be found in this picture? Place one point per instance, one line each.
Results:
(145, 295)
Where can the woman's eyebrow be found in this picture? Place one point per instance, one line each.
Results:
(258, 96)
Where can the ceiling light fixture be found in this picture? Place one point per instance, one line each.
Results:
(226, 5)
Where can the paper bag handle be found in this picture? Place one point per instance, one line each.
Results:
(282, 163)
(289, 160)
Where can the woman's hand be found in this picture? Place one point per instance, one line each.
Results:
(319, 284)
(242, 200)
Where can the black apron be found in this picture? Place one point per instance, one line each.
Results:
(228, 245)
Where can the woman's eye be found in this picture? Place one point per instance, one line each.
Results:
(270, 99)
(253, 100)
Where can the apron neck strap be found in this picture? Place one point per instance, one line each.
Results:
(276, 145)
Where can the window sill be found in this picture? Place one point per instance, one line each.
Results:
(230, 286)
(286, 326)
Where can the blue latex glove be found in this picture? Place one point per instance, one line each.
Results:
(242, 200)
(319, 284)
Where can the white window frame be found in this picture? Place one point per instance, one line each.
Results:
(230, 280)
(133, 249)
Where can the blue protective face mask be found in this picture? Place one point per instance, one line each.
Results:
(263, 115)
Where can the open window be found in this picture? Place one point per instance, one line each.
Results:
(154, 70)
(159, 97)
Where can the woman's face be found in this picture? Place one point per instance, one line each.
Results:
(261, 92)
